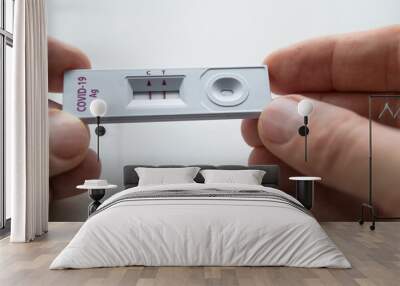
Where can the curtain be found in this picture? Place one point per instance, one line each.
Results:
(27, 124)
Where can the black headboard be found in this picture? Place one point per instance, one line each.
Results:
(270, 179)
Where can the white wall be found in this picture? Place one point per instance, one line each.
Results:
(182, 33)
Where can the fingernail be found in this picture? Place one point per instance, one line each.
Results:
(68, 135)
(279, 122)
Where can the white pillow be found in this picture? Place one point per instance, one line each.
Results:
(248, 177)
(164, 176)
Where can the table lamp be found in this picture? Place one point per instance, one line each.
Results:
(304, 108)
(98, 108)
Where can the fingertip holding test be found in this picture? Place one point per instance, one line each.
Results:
(279, 122)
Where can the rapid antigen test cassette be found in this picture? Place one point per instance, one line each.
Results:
(168, 94)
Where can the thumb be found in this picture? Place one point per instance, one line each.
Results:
(338, 148)
(68, 142)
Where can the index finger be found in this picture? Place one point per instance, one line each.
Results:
(62, 57)
(361, 62)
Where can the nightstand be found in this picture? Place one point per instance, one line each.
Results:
(96, 190)
(305, 190)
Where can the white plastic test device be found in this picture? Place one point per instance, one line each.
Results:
(168, 94)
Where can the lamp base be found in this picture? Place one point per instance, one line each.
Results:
(100, 130)
(303, 130)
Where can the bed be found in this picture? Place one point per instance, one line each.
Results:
(199, 224)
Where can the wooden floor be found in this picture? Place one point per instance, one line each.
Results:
(375, 257)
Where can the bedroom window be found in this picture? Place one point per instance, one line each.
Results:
(6, 43)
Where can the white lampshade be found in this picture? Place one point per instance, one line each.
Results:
(98, 107)
(305, 107)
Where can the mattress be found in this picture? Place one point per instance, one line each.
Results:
(201, 225)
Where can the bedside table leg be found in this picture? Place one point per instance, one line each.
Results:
(305, 193)
(93, 207)
(96, 196)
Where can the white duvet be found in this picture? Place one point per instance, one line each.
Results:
(200, 231)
